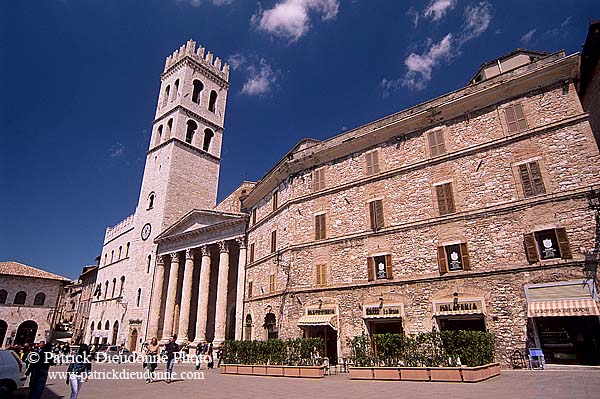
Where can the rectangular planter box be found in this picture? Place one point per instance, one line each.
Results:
(229, 369)
(275, 371)
(244, 369)
(259, 370)
(312, 372)
(414, 373)
(386, 373)
(476, 374)
(447, 374)
(291, 372)
(361, 373)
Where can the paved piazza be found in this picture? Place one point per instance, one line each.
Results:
(568, 383)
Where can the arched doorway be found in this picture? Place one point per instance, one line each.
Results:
(3, 328)
(270, 326)
(248, 328)
(133, 337)
(26, 333)
(115, 332)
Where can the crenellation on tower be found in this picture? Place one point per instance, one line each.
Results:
(200, 55)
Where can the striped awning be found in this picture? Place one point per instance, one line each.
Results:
(318, 320)
(565, 307)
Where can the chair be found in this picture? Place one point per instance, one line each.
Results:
(536, 356)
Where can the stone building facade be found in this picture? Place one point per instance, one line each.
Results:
(469, 211)
(28, 301)
(589, 82)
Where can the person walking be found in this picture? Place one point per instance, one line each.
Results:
(211, 362)
(79, 370)
(171, 347)
(150, 359)
(40, 361)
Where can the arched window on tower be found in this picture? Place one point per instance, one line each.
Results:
(149, 263)
(213, 101)
(166, 95)
(122, 285)
(127, 249)
(208, 135)
(120, 252)
(151, 201)
(112, 256)
(191, 130)
(176, 90)
(105, 289)
(198, 87)
(169, 129)
(159, 135)
(139, 297)
(40, 299)
(105, 257)
(114, 287)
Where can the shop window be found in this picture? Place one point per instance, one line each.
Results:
(445, 199)
(437, 145)
(515, 118)
(319, 179)
(379, 267)
(20, 298)
(252, 246)
(372, 160)
(376, 214)
(273, 241)
(320, 227)
(321, 274)
(531, 179)
(547, 244)
(453, 258)
(271, 283)
(249, 289)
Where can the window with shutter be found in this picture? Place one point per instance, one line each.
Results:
(437, 145)
(547, 244)
(531, 179)
(563, 243)
(272, 283)
(388, 267)
(370, 269)
(251, 252)
(515, 118)
(445, 199)
(273, 241)
(319, 179)
(376, 214)
(372, 159)
(320, 227)
(530, 248)
(441, 255)
(321, 275)
(464, 254)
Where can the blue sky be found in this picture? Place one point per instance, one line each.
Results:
(80, 80)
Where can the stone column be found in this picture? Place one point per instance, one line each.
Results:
(221, 312)
(203, 289)
(186, 298)
(241, 284)
(171, 296)
(159, 277)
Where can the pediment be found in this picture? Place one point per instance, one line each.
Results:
(200, 220)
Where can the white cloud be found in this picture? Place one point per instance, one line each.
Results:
(560, 29)
(438, 8)
(197, 3)
(290, 19)
(260, 76)
(420, 65)
(477, 20)
(526, 38)
(117, 150)
(414, 14)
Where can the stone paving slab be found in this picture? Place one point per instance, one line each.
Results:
(547, 384)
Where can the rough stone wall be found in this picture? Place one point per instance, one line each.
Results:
(232, 202)
(43, 315)
(591, 101)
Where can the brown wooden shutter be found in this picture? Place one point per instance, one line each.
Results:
(441, 145)
(511, 120)
(378, 214)
(323, 226)
(441, 255)
(372, 215)
(251, 252)
(530, 248)
(449, 198)
(464, 254)
(537, 182)
(439, 191)
(369, 163)
(388, 267)
(317, 227)
(520, 117)
(371, 269)
(432, 144)
(274, 241)
(563, 243)
(526, 180)
(375, 161)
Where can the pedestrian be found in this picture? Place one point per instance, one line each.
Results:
(66, 350)
(219, 357)
(171, 347)
(150, 358)
(211, 363)
(40, 361)
(79, 370)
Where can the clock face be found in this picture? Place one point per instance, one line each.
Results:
(146, 231)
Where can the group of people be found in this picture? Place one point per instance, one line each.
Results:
(38, 358)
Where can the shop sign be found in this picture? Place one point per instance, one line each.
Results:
(386, 311)
(457, 307)
(320, 312)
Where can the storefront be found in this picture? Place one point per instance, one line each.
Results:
(460, 314)
(565, 321)
(383, 318)
(322, 322)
